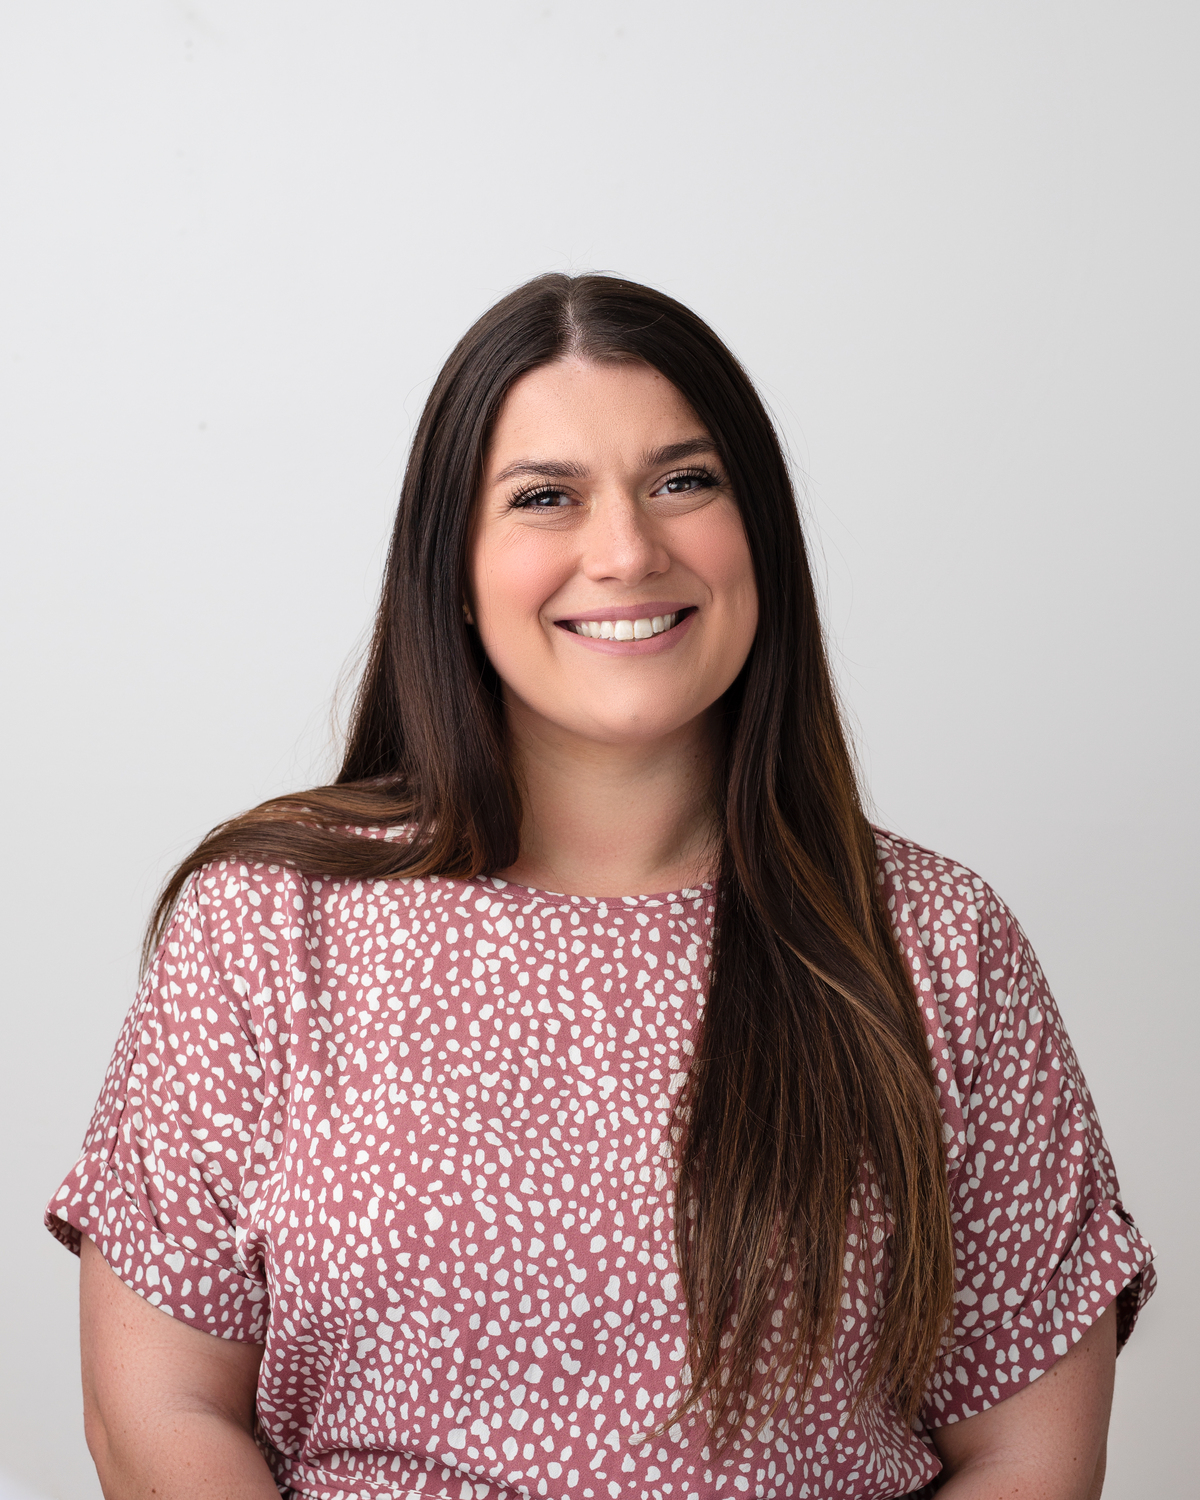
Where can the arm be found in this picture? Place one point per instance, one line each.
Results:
(1047, 1442)
(167, 1409)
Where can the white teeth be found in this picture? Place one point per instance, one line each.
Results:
(625, 630)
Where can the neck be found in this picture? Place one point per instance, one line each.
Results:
(614, 820)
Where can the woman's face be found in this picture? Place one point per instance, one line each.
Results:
(609, 575)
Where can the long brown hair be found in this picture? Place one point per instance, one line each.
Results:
(811, 1065)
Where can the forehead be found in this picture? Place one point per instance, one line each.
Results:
(591, 413)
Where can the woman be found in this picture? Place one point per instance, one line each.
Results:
(464, 1168)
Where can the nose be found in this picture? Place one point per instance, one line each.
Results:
(622, 544)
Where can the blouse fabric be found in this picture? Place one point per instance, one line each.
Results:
(411, 1135)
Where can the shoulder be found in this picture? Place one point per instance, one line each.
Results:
(947, 917)
(272, 919)
(238, 890)
(979, 988)
(236, 902)
(929, 882)
(261, 898)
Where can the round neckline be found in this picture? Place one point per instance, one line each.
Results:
(686, 893)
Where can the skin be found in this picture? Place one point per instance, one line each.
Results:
(613, 745)
(167, 1410)
(1048, 1442)
(615, 751)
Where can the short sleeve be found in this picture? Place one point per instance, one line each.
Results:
(1042, 1243)
(159, 1183)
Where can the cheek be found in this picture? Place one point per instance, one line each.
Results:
(511, 579)
(719, 555)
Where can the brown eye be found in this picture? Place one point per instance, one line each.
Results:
(540, 500)
(691, 482)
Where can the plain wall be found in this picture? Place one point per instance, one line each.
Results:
(956, 244)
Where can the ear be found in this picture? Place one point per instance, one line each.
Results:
(467, 615)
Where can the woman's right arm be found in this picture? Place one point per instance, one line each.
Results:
(168, 1410)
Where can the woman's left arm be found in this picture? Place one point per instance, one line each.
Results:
(1046, 1442)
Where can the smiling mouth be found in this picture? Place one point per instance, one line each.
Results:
(626, 630)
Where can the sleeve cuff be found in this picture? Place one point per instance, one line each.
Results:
(1109, 1262)
(199, 1285)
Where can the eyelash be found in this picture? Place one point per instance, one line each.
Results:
(523, 499)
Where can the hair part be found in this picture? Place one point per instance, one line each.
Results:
(811, 1085)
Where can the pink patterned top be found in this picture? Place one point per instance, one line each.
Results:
(410, 1135)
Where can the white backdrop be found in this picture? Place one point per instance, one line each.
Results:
(957, 246)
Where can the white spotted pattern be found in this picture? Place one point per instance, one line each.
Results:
(412, 1135)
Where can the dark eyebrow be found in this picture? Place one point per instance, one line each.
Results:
(548, 468)
(655, 458)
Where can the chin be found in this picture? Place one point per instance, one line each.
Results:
(633, 729)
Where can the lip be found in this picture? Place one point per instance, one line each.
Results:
(649, 647)
(644, 611)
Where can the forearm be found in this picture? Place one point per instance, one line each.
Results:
(185, 1455)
